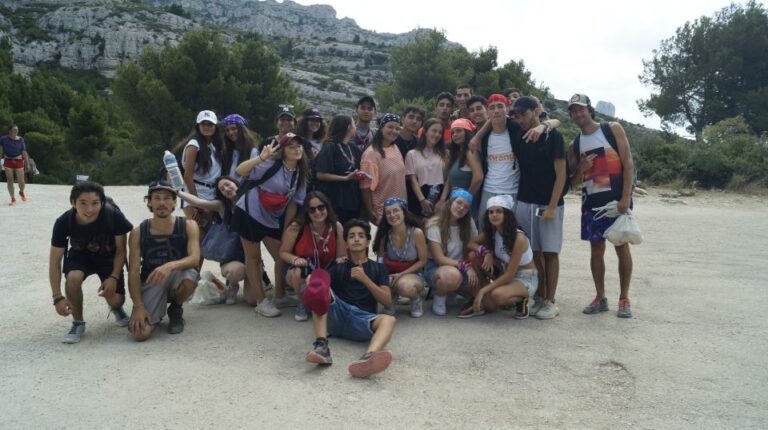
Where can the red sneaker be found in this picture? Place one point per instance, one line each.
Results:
(370, 363)
(23, 196)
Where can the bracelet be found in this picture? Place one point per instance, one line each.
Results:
(114, 277)
(483, 250)
(57, 300)
(260, 158)
(463, 266)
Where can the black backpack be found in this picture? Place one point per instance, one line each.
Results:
(606, 128)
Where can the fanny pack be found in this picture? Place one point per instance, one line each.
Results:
(273, 202)
(394, 266)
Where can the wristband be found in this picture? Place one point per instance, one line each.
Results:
(261, 158)
(463, 266)
(57, 300)
(483, 250)
(114, 277)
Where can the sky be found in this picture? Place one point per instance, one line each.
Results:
(590, 47)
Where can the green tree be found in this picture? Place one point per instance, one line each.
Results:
(422, 68)
(712, 69)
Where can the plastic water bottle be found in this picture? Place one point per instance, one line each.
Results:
(434, 193)
(177, 181)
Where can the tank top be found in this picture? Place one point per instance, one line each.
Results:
(157, 250)
(407, 253)
(460, 177)
(603, 182)
(501, 252)
(319, 249)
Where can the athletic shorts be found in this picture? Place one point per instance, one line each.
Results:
(593, 229)
(349, 322)
(250, 229)
(93, 265)
(155, 298)
(13, 163)
(545, 236)
(529, 278)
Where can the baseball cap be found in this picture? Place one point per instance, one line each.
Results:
(312, 113)
(579, 99)
(288, 138)
(524, 103)
(317, 294)
(493, 98)
(286, 110)
(161, 185)
(207, 115)
(366, 99)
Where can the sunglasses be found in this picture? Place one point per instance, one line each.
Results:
(318, 208)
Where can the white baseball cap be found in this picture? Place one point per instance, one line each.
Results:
(207, 115)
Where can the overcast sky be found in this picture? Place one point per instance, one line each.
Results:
(592, 47)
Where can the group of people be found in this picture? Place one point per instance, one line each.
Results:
(469, 204)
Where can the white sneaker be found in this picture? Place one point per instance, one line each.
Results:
(286, 301)
(267, 309)
(438, 305)
(534, 308)
(392, 308)
(301, 313)
(417, 307)
(232, 290)
(547, 311)
(77, 330)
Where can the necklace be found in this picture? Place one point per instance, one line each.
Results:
(402, 252)
(288, 168)
(348, 156)
(324, 240)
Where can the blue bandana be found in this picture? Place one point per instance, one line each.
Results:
(388, 117)
(396, 201)
(234, 119)
(461, 193)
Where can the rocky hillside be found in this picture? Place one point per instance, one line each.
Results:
(332, 61)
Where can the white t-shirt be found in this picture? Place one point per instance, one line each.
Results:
(429, 169)
(214, 172)
(454, 248)
(503, 175)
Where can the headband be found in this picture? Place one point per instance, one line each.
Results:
(493, 98)
(396, 201)
(463, 123)
(388, 117)
(506, 201)
(461, 193)
(234, 119)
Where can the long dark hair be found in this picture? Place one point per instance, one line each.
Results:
(337, 132)
(228, 205)
(382, 232)
(303, 130)
(422, 144)
(203, 159)
(302, 164)
(246, 141)
(458, 151)
(508, 231)
(302, 218)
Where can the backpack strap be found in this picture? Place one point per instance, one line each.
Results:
(143, 234)
(606, 128)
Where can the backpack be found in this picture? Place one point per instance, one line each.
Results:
(606, 128)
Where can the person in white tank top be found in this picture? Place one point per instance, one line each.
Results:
(505, 256)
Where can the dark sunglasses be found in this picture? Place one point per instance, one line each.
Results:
(318, 208)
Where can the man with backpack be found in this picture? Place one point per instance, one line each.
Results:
(164, 254)
(89, 239)
(601, 156)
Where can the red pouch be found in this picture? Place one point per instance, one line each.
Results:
(273, 202)
(396, 266)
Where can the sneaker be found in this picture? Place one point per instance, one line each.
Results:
(23, 196)
(267, 309)
(468, 312)
(548, 310)
(285, 302)
(392, 308)
(77, 330)
(625, 309)
(175, 320)
(370, 363)
(402, 300)
(321, 353)
(121, 318)
(534, 308)
(597, 305)
(417, 307)
(438, 306)
(521, 309)
(12, 202)
(232, 290)
(301, 313)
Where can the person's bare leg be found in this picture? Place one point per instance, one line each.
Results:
(74, 290)
(20, 179)
(320, 324)
(115, 300)
(625, 269)
(253, 270)
(9, 182)
(538, 260)
(597, 264)
(505, 295)
(183, 291)
(410, 286)
(273, 247)
(552, 273)
(383, 328)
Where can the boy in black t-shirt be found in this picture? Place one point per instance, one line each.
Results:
(95, 232)
(349, 311)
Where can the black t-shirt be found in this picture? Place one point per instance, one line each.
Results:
(537, 169)
(96, 239)
(405, 145)
(353, 291)
(339, 159)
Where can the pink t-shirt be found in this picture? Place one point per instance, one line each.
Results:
(387, 176)
(428, 167)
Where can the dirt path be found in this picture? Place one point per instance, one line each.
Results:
(693, 356)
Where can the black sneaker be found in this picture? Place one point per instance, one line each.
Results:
(521, 308)
(320, 353)
(175, 320)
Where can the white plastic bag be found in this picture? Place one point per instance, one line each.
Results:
(624, 230)
(208, 292)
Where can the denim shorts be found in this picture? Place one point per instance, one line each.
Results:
(429, 273)
(349, 322)
(529, 278)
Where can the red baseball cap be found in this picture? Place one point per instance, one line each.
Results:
(317, 295)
